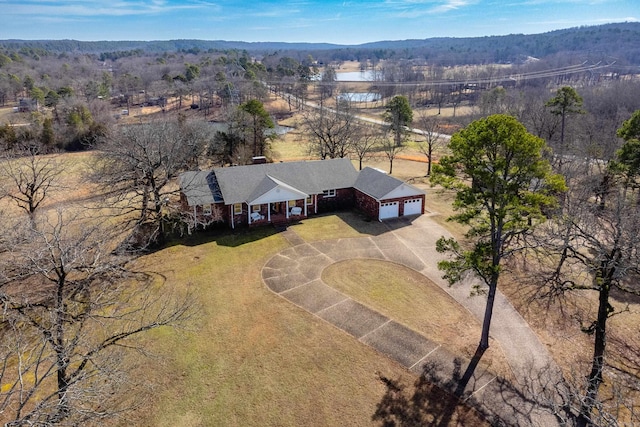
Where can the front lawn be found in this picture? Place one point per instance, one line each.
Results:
(253, 358)
(337, 226)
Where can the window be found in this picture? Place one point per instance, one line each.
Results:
(206, 210)
(237, 208)
(256, 208)
(292, 203)
(310, 200)
(329, 193)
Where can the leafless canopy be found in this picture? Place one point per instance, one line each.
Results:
(27, 178)
(136, 169)
(69, 309)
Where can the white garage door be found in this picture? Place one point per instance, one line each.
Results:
(389, 210)
(413, 207)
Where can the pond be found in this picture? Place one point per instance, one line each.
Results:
(359, 96)
(356, 76)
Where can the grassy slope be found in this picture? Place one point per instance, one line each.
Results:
(254, 359)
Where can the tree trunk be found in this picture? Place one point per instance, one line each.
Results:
(62, 409)
(145, 202)
(607, 270)
(488, 313)
(255, 136)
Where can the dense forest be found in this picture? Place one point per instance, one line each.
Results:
(611, 42)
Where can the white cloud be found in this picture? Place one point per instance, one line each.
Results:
(53, 8)
(419, 8)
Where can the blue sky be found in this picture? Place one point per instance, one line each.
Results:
(332, 21)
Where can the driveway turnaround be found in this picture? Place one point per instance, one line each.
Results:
(295, 274)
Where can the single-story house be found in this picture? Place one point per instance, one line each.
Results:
(277, 193)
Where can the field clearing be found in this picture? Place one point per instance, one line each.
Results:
(249, 357)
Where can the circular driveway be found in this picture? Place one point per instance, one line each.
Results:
(295, 274)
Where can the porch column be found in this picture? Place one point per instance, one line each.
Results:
(305, 206)
(286, 208)
(269, 211)
(195, 219)
(233, 219)
(315, 203)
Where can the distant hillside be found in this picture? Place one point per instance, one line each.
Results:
(158, 46)
(611, 42)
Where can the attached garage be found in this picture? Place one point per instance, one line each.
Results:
(389, 210)
(382, 196)
(412, 207)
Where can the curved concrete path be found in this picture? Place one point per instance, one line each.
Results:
(295, 274)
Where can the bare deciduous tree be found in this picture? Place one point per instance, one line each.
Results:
(399, 117)
(330, 130)
(28, 178)
(69, 310)
(364, 138)
(594, 247)
(391, 149)
(136, 167)
(433, 137)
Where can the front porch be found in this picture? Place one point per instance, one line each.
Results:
(277, 213)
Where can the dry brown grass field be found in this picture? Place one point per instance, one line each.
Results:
(557, 326)
(249, 357)
(252, 358)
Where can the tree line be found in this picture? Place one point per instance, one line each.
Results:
(598, 42)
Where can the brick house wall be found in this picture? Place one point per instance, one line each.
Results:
(344, 199)
(219, 212)
(367, 204)
(238, 219)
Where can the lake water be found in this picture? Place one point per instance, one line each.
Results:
(355, 76)
(359, 96)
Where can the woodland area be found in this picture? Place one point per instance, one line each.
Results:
(149, 111)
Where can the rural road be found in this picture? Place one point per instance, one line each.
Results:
(357, 117)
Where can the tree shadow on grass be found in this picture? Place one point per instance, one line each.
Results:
(434, 401)
(360, 222)
(459, 399)
(223, 236)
